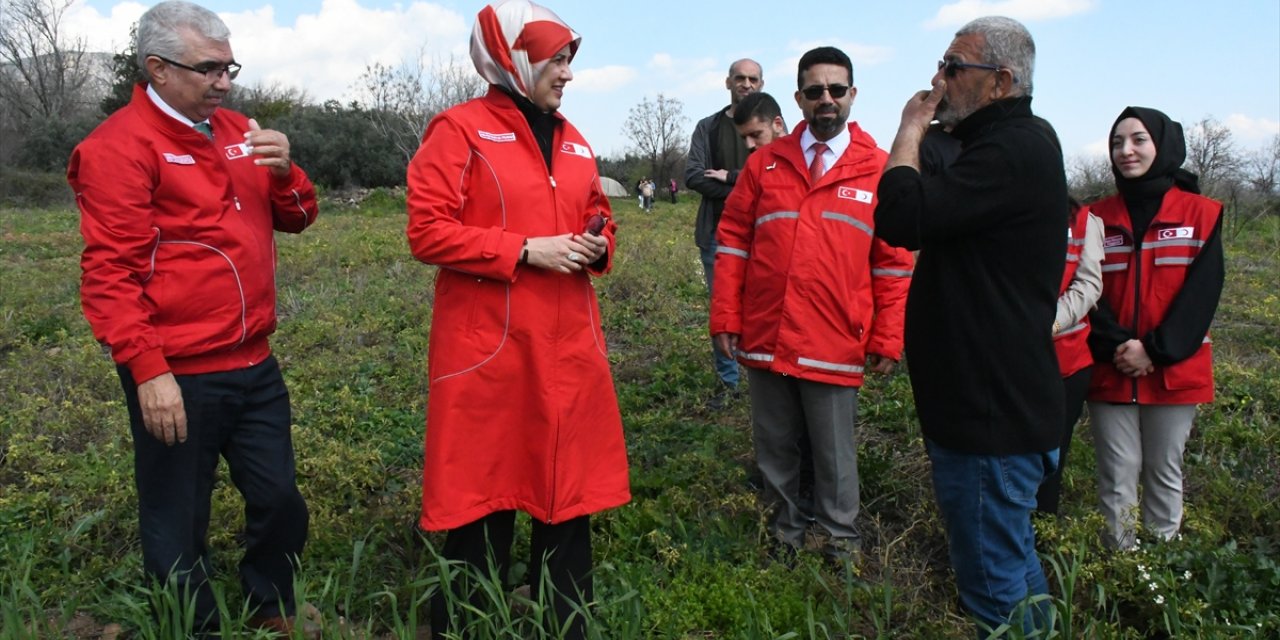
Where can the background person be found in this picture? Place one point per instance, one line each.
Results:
(758, 120)
(716, 155)
(179, 200)
(1081, 288)
(1162, 278)
(521, 413)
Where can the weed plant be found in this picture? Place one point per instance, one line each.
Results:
(685, 559)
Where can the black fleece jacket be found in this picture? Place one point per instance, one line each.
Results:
(991, 231)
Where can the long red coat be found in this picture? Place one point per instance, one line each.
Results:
(521, 411)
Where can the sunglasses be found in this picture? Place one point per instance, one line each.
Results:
(815, 92)
(951, 67)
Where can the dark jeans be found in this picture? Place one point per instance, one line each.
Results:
(243, 416)
(566, 547)
(1075, 387)
(986, 504)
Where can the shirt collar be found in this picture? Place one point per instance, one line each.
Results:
(835, 146)
(164, 106)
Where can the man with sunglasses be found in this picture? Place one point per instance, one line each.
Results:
(991, 229)
(716, 155)
(808, 299)
(179, 200)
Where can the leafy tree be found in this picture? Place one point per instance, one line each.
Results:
(657, 130)
(124, 73)
(267, 102)
(340, 147)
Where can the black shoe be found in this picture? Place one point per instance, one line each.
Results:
(725, 396)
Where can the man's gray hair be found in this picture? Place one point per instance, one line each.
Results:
(1009, 45)
(160, 29)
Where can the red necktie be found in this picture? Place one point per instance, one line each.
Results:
(817, 167)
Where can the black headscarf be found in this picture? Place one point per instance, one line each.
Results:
(1171, 151)
(1144, 195)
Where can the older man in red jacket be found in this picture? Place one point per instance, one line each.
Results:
(807, 298)
(178, 200)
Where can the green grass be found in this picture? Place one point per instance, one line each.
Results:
(684, 559)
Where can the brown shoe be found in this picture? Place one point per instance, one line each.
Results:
(286, 626)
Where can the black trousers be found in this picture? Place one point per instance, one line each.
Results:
(1076, 387)
(566, 547)
(243, 416)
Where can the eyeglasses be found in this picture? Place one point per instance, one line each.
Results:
(815, 92)
(951, 67)
(212, 71)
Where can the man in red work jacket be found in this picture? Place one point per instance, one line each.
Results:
(179, 200)
(807, 297)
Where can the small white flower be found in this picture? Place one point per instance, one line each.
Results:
(1186, 575)
(1151, 586)
(1142, 568)
(1146, 576)
(1159, 599)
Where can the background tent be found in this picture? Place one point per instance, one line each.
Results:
(612, 188)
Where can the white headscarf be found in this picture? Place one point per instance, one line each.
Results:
(513, 40)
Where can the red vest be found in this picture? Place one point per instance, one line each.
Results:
(1140, 280)
(1071, 343)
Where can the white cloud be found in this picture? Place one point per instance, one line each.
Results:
(323, 52)
(1252, 132)
(602, 79)
(962, 11)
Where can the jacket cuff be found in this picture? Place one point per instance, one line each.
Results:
(147, 365)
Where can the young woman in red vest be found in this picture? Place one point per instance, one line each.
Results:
(1162, 277)
(1081, 288)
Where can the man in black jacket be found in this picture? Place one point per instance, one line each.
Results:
(991, 231)
(716, 154)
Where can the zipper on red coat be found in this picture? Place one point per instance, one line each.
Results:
(236, 199)
(1137, 297)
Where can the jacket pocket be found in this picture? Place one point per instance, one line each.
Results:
(469, 324)
(1192, 373)
(199, 296)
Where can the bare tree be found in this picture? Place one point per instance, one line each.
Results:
(1089, 178)
(1262, 168)
(1211, 154)
(43, 71)
(402, 100)
(657, 129)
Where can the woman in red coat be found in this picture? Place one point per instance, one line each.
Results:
(1162, 273)
(505, 197)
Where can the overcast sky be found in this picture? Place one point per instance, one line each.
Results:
(1094, 57)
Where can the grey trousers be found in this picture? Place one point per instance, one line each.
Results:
(781, 408)
(1140, 443)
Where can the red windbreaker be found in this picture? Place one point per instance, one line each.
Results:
(178, 269)
(800, 276)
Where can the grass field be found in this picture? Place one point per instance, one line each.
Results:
(685, 559)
